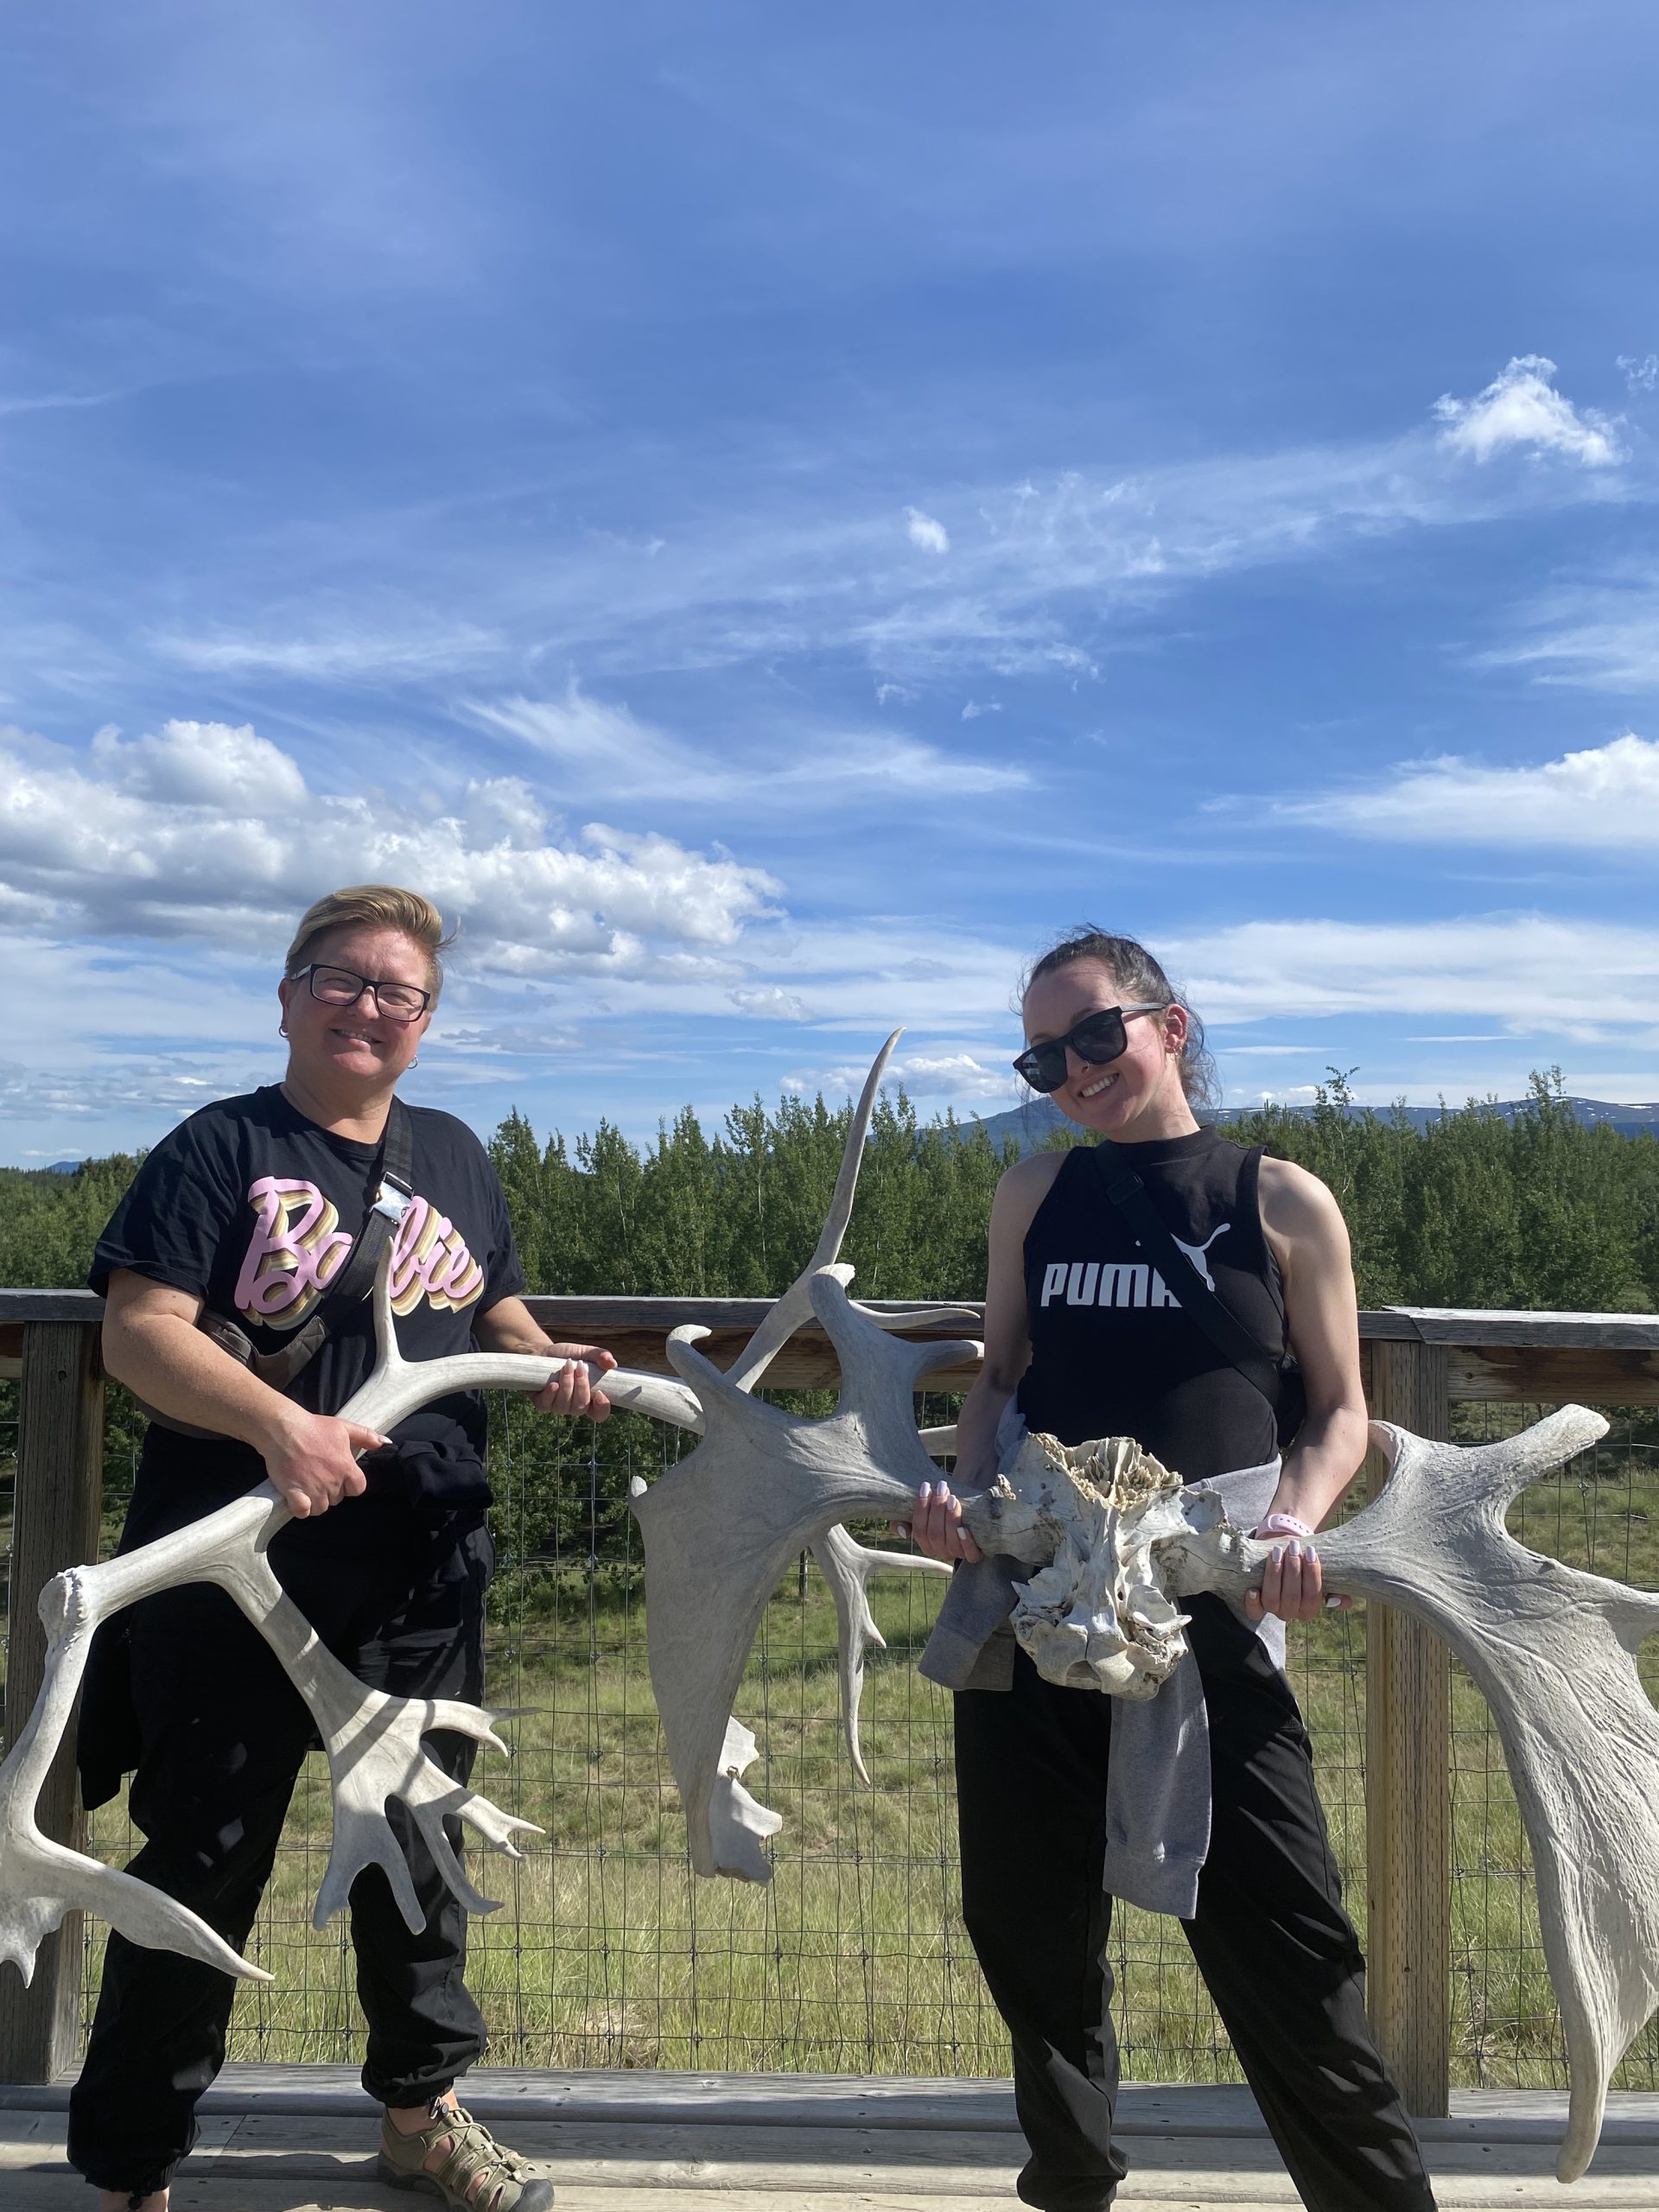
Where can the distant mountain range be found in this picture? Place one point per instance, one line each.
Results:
(1028, 1125)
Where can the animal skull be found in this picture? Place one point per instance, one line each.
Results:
(1094, 1616)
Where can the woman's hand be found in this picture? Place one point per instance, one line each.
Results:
(937, 1525)
(312, 1459)
(575, 1388)
(1293, 1583)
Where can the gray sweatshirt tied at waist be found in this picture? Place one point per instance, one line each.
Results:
(1158, 1783)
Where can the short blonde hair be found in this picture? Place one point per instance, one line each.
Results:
(372, 905)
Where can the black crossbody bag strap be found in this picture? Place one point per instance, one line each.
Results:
(1224, 1328)
(393, 1192)
(356, 1278)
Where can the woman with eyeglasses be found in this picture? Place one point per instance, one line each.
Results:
(1085, 1337)
(218, 1266)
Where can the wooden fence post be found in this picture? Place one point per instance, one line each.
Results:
(1409, 1785)
(54, 1525)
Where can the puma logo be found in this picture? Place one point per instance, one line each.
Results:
(1196, 1252)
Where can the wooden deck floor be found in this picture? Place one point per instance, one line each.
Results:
(301, 2139)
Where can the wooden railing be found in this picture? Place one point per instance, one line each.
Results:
(1418, 1362)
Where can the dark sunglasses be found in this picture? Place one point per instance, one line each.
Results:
(1099, 1037)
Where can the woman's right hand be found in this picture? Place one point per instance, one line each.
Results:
(937, 1525)
(311, 1460)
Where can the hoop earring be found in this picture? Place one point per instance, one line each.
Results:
(416, 1061)
(281, 1029)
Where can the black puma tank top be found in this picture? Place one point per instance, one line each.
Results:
(1112, 1353)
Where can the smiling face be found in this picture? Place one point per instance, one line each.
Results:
(1134, 1098)
(352, 1052)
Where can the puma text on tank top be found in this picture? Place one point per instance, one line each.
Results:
(1112, 1354)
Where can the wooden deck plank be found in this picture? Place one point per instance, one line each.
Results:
(258, 2166)
(512, 2097)
(62, 2192)
(776, 2158)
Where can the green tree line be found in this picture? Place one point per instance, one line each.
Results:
(1477, 1210)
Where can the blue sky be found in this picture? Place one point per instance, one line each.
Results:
(770, 515)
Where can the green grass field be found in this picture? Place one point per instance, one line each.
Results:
(607, 1953)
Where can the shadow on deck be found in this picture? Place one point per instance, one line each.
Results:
(301, 2138)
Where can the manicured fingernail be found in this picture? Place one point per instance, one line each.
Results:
(1277, 1555)
(945, 1491)
(926, 1492)
(1333, 1604)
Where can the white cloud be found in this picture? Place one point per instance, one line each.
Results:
(532, 1039)
(954, 1078)
(1533, 972)
(923, 531)
(204, 829)
(425, 648)
(597, 743)
(1601, 637)
(956, 1075)
(975, 707)
(1604, 800)
(770, 1002)
(1521, 407)
(1640, 376)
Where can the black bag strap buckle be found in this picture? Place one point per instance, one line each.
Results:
(1235, 1344)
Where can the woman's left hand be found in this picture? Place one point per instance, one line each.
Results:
(575, 1388)
(1293, 1583)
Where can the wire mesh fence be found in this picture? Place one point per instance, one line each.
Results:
(606, 1952)
(9, 1394)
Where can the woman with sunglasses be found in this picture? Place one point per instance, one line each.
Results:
(1084, 1339)
(217, 1267)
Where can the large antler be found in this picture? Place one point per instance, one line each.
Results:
(1552, 1649)
(760, 1487)
(372, 1741)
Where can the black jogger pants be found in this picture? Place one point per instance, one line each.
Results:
(1275, 1949)
(224, 1734)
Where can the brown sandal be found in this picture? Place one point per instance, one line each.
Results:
(476, 2174)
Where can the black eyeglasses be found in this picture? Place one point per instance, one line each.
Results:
(1099, 1037)
(341, 987)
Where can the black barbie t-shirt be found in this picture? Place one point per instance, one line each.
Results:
(253, 1209)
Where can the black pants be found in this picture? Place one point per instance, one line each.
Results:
(1275, 1949)
(223, 1734)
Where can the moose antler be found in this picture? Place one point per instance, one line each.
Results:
(1552, 1649)
(372, 1741)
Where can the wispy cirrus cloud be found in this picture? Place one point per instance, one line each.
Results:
(1598, 636)
(597, 742)
(1604, 798)
(342, 656)
(1533, 972)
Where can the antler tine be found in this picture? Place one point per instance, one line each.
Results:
(398, 1386)
(795, 1306)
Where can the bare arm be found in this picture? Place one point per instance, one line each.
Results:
(509, 1326)
(1305, 1227)
(935, 1523)
(152, 1343)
